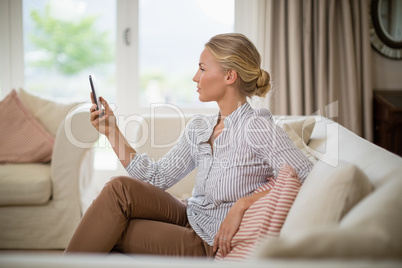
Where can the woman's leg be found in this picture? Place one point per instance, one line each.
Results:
(160, 238)
(121, 200)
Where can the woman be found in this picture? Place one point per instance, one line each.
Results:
(235, 152)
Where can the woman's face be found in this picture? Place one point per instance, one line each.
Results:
(210, 78)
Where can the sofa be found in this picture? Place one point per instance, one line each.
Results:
(350, 206)
(40, 204)
(347, 213)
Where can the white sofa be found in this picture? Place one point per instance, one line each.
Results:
(349, 207)
(40, 204)
(368, 233)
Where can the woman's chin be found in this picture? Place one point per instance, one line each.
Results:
(204, 99)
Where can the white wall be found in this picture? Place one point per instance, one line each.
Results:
(386, 73)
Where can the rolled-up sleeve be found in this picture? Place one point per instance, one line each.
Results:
(168, 170)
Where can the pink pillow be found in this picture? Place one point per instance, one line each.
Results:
(266, 216)
(23, 139)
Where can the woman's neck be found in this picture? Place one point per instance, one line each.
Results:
(228, 107)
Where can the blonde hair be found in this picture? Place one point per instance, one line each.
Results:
(236, 52)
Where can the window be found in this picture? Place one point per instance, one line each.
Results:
(64, 42)
(171, 37)
(141, 51)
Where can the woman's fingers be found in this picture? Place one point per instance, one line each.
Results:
(94, 112)
(105, 104)
(225, 246)
(95, 118)
(222, 246)
(226, 240)
(216, 243)
(92, 98)
(92, 108)
(223, 243)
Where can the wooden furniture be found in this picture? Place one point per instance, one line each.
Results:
(387, 108)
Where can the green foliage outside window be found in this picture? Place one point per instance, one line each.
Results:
(69, 46)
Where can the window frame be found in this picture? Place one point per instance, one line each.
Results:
(12, 50)
(11, 46)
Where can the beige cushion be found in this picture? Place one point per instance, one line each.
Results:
(380, 215)
(25, 184)
(327, 242)
(372, 229)
(266, 216)
(303, 127)
(331, 142)
(327, 194)
(23, 139)
(50, 112)
(153, 139)
(299, 131)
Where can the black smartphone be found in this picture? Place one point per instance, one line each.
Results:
(96, 99)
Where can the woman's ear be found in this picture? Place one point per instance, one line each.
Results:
(231, 77)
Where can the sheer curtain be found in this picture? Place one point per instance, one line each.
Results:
(318, 54)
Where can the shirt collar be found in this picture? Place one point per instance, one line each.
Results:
(236, 114)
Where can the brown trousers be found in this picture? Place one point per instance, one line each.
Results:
(131, 216)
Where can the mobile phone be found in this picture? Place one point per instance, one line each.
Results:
(97, 101)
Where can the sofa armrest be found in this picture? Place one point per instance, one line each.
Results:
(70, 164)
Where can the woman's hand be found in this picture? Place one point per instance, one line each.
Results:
(232, 221)
(105, 124)
(228, 229)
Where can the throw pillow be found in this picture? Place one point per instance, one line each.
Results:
(266, 216)
(23, 139)
(328, 193)
(299, 131)
(48, 111)
(303, 127)
(371, 230)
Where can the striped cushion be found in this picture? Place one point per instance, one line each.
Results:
(23, 139)
(266, 216)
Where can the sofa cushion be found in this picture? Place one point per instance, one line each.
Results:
(303, 126)
(380, 215)
(331, 141)
(24, 184)
(49, 111)
(266, 216)
(23, 138)
(326, 196)
(372, 229)
(299, 131)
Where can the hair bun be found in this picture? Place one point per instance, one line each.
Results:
(263, 83)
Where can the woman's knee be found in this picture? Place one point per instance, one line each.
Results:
(124, 184)
(120, 180)
(119, 183)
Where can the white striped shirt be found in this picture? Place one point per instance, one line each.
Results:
(250, 149)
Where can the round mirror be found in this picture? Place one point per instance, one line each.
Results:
(386, 27)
